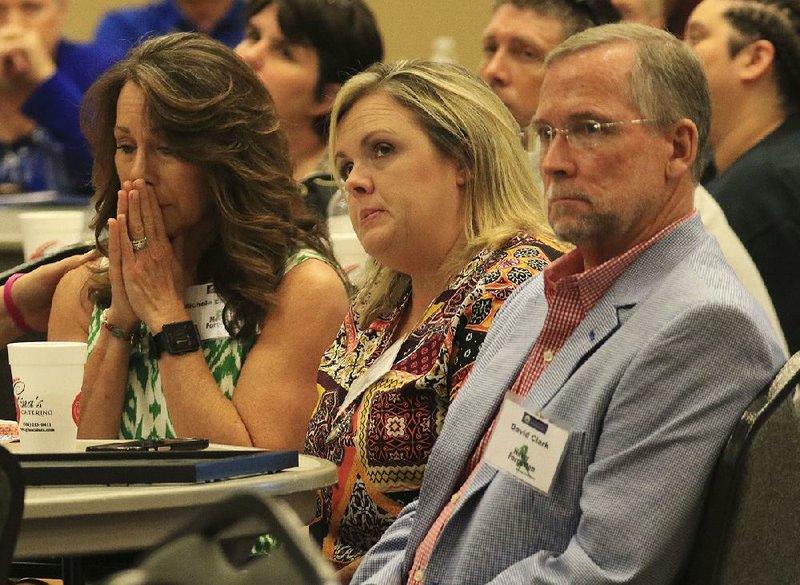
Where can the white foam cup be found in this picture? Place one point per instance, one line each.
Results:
(44, 231)
(47, 378)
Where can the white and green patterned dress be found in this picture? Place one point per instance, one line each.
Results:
(144, 413)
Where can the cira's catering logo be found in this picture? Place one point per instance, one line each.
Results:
(33, 406)
(15, 382)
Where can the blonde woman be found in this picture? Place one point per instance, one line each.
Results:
(442, 197)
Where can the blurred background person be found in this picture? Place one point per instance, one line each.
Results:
(222, 20)
(676, 14)
(750, 50)
(42, 81)
(519, 36)
(444, 201)
(670, 15)
(207, 231)
(25, 299)
(516, 40)
(648, 12)
(303, 51)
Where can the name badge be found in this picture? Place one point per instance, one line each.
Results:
(379, 368)
(525, 445)
(205, 308)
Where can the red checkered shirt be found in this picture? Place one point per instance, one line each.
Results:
(571, 293)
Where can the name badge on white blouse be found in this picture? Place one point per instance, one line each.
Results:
(379, 368)
(526, 445)
(205, 308)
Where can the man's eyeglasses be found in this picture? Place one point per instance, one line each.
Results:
(581, 134)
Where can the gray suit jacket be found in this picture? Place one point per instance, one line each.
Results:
(649, 386)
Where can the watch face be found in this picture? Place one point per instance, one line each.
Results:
(180, 337)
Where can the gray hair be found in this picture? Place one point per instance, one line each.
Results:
(667, 81)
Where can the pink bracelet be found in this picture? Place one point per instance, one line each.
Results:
(11, 308)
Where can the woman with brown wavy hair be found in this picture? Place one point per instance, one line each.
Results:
(198, 318)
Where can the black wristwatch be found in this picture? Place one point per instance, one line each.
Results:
(175, 339)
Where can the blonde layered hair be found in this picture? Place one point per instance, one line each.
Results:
(466, 122)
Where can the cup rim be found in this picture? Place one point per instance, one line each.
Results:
(57, 353)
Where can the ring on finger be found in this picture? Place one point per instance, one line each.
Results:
(139, 244)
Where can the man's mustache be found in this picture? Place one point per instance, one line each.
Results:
(556, 192)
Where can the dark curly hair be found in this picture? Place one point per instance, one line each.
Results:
(777, 21)
(343, 33)
(213, 112)
(575, 15)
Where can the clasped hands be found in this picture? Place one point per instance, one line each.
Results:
(25, 61)
(147, 278)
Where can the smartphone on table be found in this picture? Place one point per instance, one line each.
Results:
(178, 444)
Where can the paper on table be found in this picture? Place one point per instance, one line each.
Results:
(9, 431)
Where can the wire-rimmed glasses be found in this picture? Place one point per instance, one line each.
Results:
(581, 134)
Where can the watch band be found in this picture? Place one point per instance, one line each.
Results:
(175, 339)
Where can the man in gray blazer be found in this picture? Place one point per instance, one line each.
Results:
(579, 450)
(515, 43)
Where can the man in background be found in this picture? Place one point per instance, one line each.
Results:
(42, 81)
(750, 50)
(648, 12)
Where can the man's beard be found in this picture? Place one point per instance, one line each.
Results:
(578, 228)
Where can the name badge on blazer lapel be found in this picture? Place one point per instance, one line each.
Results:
(526, 445)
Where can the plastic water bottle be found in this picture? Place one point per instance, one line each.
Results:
(346, 248)
(443, 50)
(338, 214)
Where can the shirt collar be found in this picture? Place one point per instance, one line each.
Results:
(567, 275)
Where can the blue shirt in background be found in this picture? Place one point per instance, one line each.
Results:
(119, 30)
(56, 155)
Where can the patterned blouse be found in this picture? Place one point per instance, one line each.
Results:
(381, 441)
(144, 412)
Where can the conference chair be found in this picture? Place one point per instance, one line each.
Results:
(750, 529)
(12, 500)
(199, 553)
